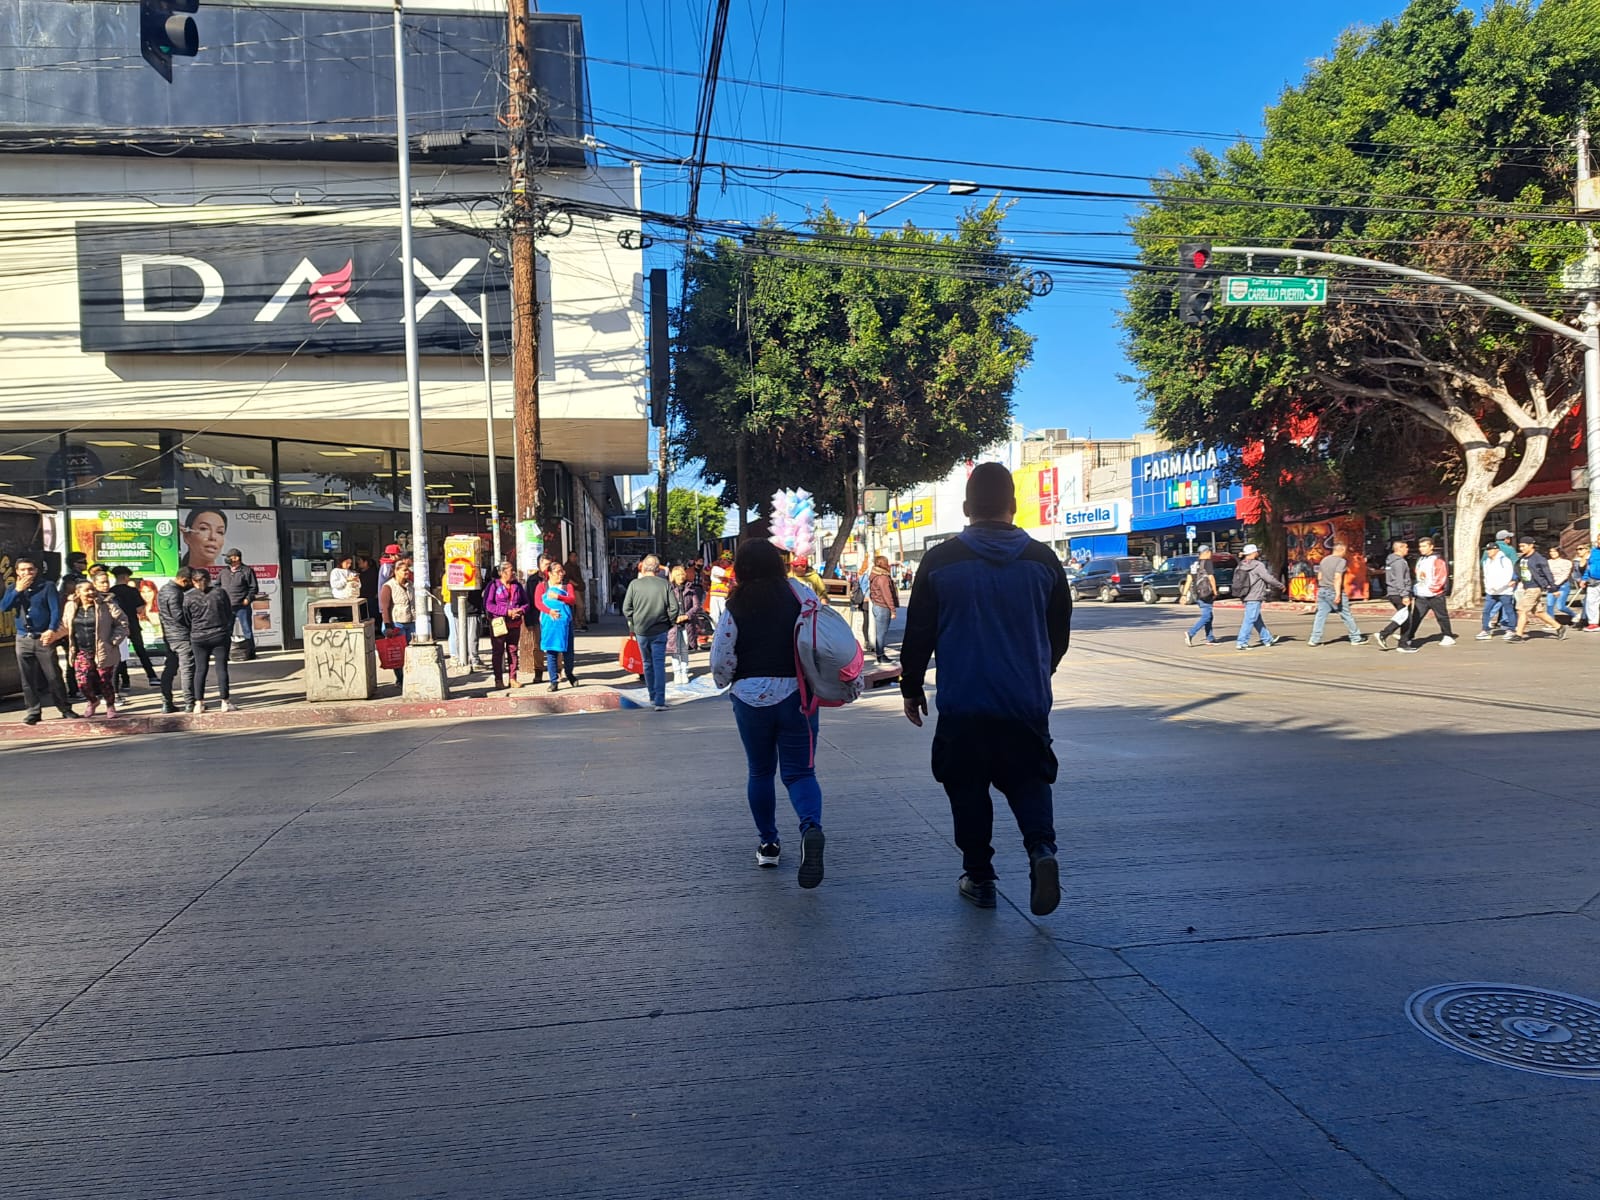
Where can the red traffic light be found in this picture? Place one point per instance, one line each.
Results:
(1200, 257)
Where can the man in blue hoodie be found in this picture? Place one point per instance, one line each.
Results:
(993, 606)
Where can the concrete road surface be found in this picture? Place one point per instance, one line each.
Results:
(535, 958)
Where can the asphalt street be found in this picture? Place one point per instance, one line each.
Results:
(531, 957)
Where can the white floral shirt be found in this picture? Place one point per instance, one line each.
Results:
(759, 691)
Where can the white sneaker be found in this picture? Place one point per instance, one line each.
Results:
(229, 706)
(199, 706)
(1509, 635)
(1484, 636)
(1447, 641)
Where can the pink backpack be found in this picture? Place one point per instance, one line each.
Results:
(827, 658)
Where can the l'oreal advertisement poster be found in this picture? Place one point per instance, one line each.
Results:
(209, 533)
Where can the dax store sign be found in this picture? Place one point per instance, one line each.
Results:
(319, 289)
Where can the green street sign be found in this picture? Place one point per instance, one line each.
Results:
(1282, 290)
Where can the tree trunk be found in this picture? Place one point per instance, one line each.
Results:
(847, 522)
(1475, 498)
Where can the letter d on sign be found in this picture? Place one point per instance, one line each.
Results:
(133, 269)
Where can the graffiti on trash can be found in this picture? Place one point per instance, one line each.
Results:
(332, 653)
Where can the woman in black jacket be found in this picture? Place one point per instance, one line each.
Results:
(210, 616)
(753, 651)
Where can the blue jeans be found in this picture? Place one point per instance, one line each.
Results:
(1560, 596)
(243, 618)
(1506, 606)
(1203, 625)
(1324, 607)
(654, 652)
(880, 629)
(779, 735)
(1252, 620)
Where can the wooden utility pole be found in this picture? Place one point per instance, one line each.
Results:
(520, 217)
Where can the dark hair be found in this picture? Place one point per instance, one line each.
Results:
(29, 559)
(759, 575)
(183, 574)
(188, 522)
(991, 494)
(98, 569)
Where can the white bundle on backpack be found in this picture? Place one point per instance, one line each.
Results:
(828, 659)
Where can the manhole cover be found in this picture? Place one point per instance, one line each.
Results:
(1530, 1029)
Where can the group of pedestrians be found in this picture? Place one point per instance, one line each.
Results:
(1521, 587)
(992, 607)
(96, 612)
(1252, 582)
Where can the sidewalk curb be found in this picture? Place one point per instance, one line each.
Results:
(359, 712)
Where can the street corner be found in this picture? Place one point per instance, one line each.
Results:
(284, 716)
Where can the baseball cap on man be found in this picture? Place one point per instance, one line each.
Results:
(234, 552)
(1503, 536)
(1251, 548)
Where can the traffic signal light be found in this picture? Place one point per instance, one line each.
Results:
(164, 31)
(1194, 283)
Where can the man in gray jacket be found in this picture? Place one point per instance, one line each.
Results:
(651, 609)
(1397, 586)
(1253, 583)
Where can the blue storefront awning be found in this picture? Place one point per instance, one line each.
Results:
(1177, 518)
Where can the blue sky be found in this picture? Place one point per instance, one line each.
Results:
(1164, 66)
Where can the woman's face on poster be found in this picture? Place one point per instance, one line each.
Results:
(204, 536)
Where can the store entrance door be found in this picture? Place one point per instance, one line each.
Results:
(315, 541)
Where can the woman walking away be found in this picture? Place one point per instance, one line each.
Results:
(95, 624)
(683, 638)
(885, 601)
(556, 601)
(753, 651)
(505, 602)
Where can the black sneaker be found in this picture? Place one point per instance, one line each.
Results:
(811, 843)
(977, 891)
(767, 854)
(1044, 873)
(32, 719)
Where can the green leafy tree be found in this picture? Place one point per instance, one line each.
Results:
(692, 518)
(1435, 141)
(792, 342)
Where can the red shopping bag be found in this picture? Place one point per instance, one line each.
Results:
(630, 658)
(391, 651)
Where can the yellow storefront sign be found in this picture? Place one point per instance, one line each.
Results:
(915, 515)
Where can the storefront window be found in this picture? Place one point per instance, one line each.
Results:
(233, 471)
(457, 484)
(349, 478)
(30, 467)
(1547, 520)
(119, 468)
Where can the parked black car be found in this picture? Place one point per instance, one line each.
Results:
(1110, 578)
(1168, 581)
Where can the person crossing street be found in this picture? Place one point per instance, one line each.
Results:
(1333, 576)
(993, 607)
(1253, 583)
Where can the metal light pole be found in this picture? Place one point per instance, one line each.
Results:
(425, 676)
